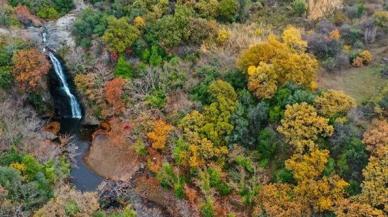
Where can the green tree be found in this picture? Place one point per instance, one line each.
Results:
(120, 35)
(123, 69)
(228, 10)
(88, 24)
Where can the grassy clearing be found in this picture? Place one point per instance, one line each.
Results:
(360, 83)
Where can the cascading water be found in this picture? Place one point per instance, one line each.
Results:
(75, 108)
(70, 114)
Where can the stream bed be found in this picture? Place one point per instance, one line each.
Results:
(70, 113)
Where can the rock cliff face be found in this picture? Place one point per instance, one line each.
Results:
(321, 8)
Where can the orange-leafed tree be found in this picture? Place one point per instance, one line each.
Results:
(159, 135)
(348, 208)
(114, 91)
(30, 67)
(278, 200)
(377, 135)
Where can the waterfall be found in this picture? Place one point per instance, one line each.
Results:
(75, 107)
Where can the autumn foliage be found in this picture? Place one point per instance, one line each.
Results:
(205, 131)
(374, 189)
(279, 200)
(274, 62)
(376, 136)
(159, 135)
(302, 126)
(308, 166)
(30, 68)
(334, 102)
(114, 93)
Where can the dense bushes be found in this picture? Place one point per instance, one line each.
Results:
(119, 34)
(28, 182)
(90, 23)
(47, 9)
(7, 16)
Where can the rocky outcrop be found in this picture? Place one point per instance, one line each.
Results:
(60, 32)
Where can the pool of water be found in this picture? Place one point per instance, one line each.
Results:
(83, 177)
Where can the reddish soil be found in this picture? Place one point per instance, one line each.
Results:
(116, 161)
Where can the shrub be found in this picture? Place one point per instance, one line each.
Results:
(63, 6)
(27, 181)
(262, 80)
(228, 10)
(215, 181)
(332, 103)
(206, 132)
(113, 91)
(69, 202)
(6, 78)
(381, 19)
(48, 12)
(170, 30)
(207, 209)
(322, 46)
(351, 34)
(200, 30)
(200, 91)
(362, 58)
(139, 22)
(207, 9)
(299, 7)
(168, 178)
(123, 69)
(157, 99)
(268, 143)
(7, 16)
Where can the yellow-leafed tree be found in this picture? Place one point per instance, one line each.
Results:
(275, 62)
(302, 126)
(159, 135)
(334, 102)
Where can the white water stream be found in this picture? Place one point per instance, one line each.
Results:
(75, 107)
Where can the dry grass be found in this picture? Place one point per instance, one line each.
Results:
(241, 37)
(321, 8)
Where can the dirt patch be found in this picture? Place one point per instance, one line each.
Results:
(150, 189)
(116, 161)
